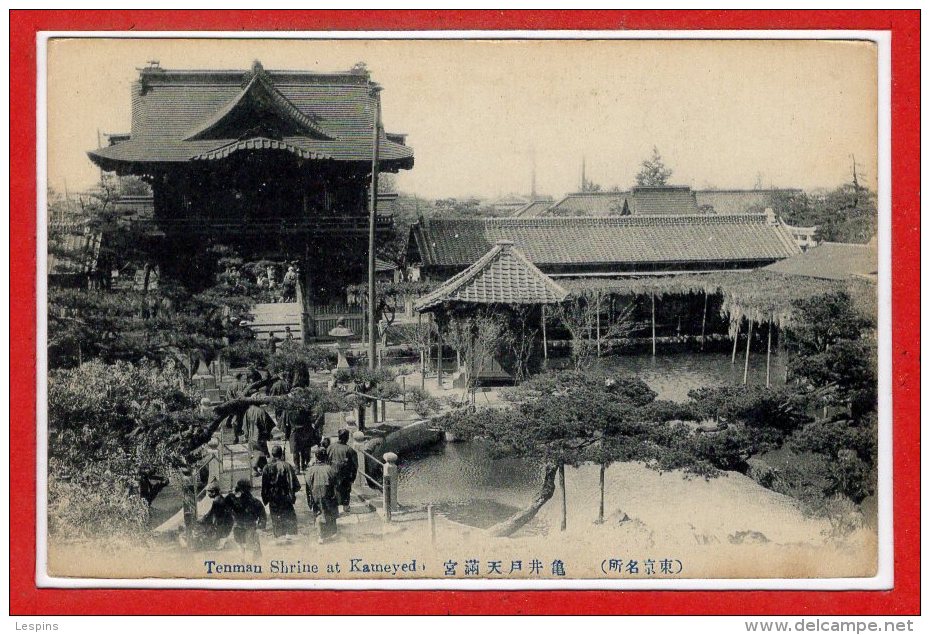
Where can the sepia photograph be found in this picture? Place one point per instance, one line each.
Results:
(505, 312)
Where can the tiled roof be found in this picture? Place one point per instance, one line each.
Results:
(738, 201)
(591, 204)
(832, 261)
(501, 276)
(532, 209)
(628, 240)
(645, 201)
(650, 201)
(173, 110)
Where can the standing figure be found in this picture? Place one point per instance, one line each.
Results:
(289, 284)
(258, 425)
(279, 492)
(302, 435)
(272, 278)
(321, 495)
(218, 522)
(345, 462)
(273, 341)
(248, 517)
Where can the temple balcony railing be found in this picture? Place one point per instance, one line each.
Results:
(264, 226)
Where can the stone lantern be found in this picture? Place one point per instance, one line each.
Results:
(341, 334)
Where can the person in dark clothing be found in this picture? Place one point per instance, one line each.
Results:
(258, 425)
(345, 463)
(150, 483)
(248, 517)
(273, 341)
(218, 522)
(321, 495)
(279, 492)
(301, 434)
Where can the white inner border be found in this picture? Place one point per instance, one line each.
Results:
(884, 579)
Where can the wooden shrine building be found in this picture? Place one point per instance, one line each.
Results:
(274, 164)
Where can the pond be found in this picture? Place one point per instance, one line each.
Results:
(468, 485)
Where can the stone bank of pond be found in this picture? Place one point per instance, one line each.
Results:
(467, 484)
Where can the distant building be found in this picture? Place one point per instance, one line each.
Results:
(534, 208)
(741, 201)
(805, 237)
(676, 200)
(585, 247)
(833, 261)
(509, 203)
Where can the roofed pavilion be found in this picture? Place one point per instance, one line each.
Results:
(276, 164)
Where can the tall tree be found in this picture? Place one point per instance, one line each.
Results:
(652, 171)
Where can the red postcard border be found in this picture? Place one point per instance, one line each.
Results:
(27, 599)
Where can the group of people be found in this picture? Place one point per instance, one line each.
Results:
(329, 472)
(268, 279)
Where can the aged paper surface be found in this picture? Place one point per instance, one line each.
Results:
(651, 266)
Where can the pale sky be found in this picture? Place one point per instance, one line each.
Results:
(720, 112)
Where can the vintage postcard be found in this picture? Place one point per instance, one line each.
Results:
(598, 312)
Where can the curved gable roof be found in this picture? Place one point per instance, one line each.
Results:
(259, 100)
(180, 114)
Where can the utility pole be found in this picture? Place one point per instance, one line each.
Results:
(533, 175)
(584, 180)
(372, 220)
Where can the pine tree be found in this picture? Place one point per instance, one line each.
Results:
(653, 172)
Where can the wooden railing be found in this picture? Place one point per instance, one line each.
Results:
(389, 477)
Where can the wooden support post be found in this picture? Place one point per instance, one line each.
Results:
(704, 322)
(542, 319)
(372, 219)
(598, 325)
(390, 484)
(439, 356)
(564, 524)
(748, 344)
(768, 354)
(189, 505)
(358, 444)
(403, 389)
(600, 511)
(784, 347)
(431, 517)
(422, 352)
(215, 467)
(429, 344)
(735, 341)
(653, 296)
